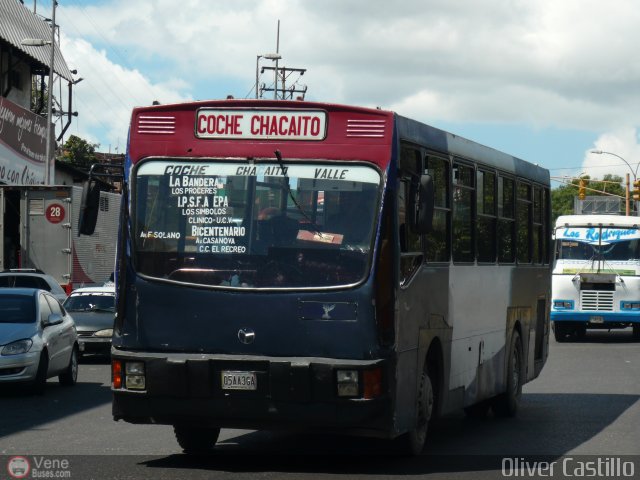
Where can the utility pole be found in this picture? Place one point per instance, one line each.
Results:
(627, 196)
(281, 75)
(284, 73)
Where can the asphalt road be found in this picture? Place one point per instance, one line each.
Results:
(584, 403)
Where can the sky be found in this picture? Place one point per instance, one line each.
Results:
(545, 80)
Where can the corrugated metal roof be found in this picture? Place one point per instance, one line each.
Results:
(17, 22)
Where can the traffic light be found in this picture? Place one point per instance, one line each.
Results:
(582, 190)
(636, 190)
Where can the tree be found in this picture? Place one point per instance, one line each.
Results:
(562, 198)
(79, 153)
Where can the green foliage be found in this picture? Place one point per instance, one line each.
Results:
(79, 153)
(562, 198)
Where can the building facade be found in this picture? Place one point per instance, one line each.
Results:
(26, 40)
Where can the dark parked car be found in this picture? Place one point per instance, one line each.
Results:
(93, 310)
(38, 339)
(32, 278)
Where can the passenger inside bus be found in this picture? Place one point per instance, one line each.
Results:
(354, 219)
(275, 228)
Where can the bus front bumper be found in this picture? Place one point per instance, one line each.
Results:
(187, 389)
(596, 319)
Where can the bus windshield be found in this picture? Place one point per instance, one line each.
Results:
(255, 224)
(617, 244)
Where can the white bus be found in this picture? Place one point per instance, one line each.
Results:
(596, 275)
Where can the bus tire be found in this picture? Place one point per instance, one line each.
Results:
(559, 332)
(196, 440)
(506, 404)
(416, 438)
(636, 332)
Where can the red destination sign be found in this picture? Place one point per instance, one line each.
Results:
(261, 124)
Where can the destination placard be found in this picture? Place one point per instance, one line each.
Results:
(597, 235)
(201, 193)
(238, 124)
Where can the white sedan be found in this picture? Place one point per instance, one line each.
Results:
(38, 339)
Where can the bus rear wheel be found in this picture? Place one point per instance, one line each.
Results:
(506, 404)
(195, 440)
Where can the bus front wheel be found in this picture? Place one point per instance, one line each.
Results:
(560, 332)
(195, 440)
(417, 437)
(506, 404)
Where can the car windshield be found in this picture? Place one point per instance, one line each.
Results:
(17, 309)
(593, 244)
(90, 302)
(255, 225)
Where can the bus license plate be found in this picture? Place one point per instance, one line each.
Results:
(596, 319)
(239, 381)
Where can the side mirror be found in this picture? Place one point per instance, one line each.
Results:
(89, 207)
(54, 319)
(423, 203)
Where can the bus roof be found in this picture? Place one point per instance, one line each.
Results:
(596, 221)
(445, 142)
(352, 133)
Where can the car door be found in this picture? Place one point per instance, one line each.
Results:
(67, 330)
(50, 334)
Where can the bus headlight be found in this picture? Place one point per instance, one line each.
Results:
(134, 376)
(347, 383)
(635, 305)
(563, 304)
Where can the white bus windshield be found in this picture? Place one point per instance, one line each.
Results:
(255, 225)
(608, 244)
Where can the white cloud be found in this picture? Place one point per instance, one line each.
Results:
(619, 143)
(108, 92)
(569, 64)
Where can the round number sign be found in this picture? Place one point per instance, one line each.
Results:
(55, 213)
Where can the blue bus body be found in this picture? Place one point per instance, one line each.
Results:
(372, 338)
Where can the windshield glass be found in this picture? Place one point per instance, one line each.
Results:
(598, 244)
(87, 302)
(17, 309)
(261, 225)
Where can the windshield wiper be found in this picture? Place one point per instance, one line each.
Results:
(295, 202)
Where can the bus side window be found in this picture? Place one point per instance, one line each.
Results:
(506, 220)
(486, 208)
(410, 241)
(538, 226)
(523, 224)
(463, 213)
(438, 242)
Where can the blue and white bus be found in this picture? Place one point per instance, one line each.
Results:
(596, 275)
(323, 267)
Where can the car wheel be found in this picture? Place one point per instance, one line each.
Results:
(506, 404)
(69, 377)
(40, 382)
(636, 332)
(196, 440)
